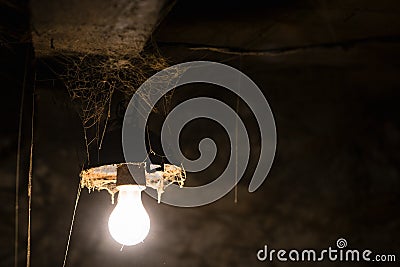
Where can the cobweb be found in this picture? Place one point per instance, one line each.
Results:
(159, 178)
(92, 81)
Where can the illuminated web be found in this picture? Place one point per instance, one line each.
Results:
(92, 81)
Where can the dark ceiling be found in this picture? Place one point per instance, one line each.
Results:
(329, 70)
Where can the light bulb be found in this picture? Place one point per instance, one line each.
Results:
(129, 222)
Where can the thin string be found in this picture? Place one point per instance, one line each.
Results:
(28, 247)
(78, 194)
(236, 136)
(107, 119)
(18, 164)
(151, 151)
(236, 151)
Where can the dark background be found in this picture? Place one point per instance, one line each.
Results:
(329, 70)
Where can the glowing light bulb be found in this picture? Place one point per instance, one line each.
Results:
(129, 222)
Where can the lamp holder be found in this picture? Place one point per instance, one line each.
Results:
(109, 177)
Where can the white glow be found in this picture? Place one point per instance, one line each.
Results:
(129, 222)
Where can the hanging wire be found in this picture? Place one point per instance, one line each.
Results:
(236, 151)
(28, 247)
(236, 135)
(18, 164)
(78, 194)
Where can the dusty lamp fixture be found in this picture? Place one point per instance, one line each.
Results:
(129, 223)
